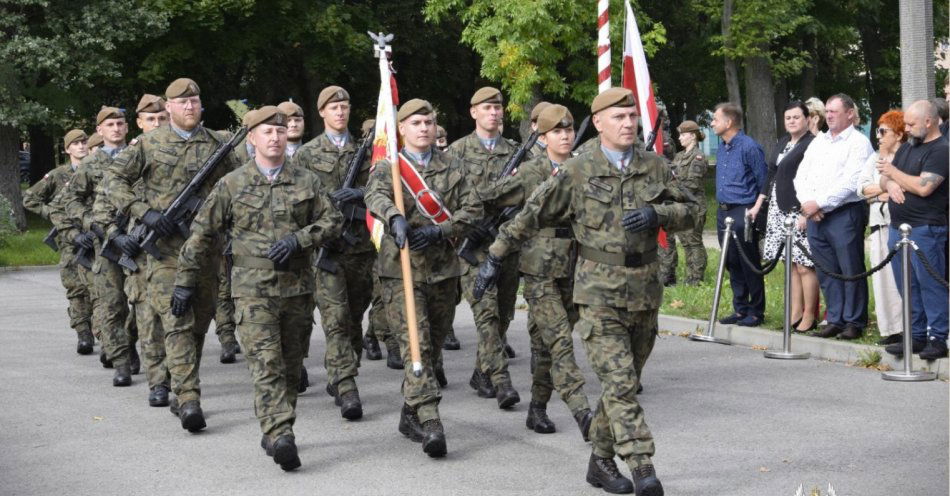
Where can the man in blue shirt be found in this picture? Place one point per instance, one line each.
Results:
(740, 175)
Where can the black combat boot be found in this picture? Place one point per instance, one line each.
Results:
(439, 373)
(393, 358)
(538, 420)
(173, 407)
(123, 376)
(229, 351)
(104, 360)
(304, 381)
(158, 396)
(409, 425)
(351, 408)
(645, 481)
(482, 385)
(451, 343)
(583, 419)
(507, 397)
(603, 473)
(371, 345)
(267, 445)
(434, 442)
(135, 362)
(192, 418)
(85, 342)
(285, 453)
(332, 391)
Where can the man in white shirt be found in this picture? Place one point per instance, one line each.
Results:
(825, 183)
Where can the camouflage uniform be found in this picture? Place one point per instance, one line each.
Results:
(39, 200)
(378, 323)
(272, 306)
(165, 162)
(615, 282)
(689, 169)
(435, 270)
(494, 311)
(344, 296)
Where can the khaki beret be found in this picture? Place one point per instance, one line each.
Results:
(486, 95)
(331, 94)
(291, 109)
(74, 135)
(367, 125)
(536, 111)
(413, 107)
(614, 97)
(247, 117)
(109, 113)
(440, 132)
(150, 103)
(182, 88)
(94, 140)
(268, 114)
(554, 116)
(691, 127)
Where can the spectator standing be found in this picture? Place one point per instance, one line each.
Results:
(887, 299)
(816, 115)
(740, 175)
(916, 184)
(943, 110)
(825, 185)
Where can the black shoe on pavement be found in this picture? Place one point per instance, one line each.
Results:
(84, 343)
(173, 407)
(409, 425)
(828, 331)
(603, 473)
(645, 482)
(583, 419)
(538, 420)
(135, 362)
(267, 445)
(482, 385)
(285, 453)
(507, 396)
(158, 396)
(106, 363)
(935, 349)
(434, 442)
(229, 351)
(393, 358)
(731, 319)
(332, 391)
(509, 351)
(897, 349)
(451, 343)
(749, 321)
(851, 332)
(371, 346)
(123, 376)
(192, 418)
(439, 373)
(351, 408)
(304, 381)
(892, 339)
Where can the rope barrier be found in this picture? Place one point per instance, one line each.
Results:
(755, 267)
(845, 277)
(928, 267)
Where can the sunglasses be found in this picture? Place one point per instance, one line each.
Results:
(881, 131)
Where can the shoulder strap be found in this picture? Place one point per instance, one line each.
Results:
(427, 201)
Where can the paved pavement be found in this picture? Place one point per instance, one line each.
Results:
(726, 422)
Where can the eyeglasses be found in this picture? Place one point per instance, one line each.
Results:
(881, 131)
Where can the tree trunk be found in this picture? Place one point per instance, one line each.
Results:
(42, 153)
(808, 73)
(760, 102)
(872, 46)
(732, 72)
(10, 173)
(917, 51)
(781, 101)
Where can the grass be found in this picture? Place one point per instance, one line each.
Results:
(27, 248)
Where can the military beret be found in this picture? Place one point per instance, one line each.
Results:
(268, 114)
(486, 95)
(536, 111)
(367, 125)
(614, 97)
(413, 107)
(291, 109)
(691, 127)
(109, 113)
(150, 103)
(181, 88)
(74, 135)
(247, 117)
(440, 132)
(94, 140)
(554, 116)
(331, 94)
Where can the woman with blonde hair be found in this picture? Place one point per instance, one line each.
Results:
(816, 115)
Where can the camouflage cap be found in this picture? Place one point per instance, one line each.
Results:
(151, 104)
(487, 95)
(413, 107)
(291, 109)
(554, 116)
(331, 94)
(269, 114)
(614, 97)
(536, 111)
(440, 132)
(367, 125)
(182, 88)
(94, 140)
(74, 135)
(109, 113)
(691, 127)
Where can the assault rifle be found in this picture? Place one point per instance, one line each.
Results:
(50, 239)
(108, 251)
(466, 250)
(581, 131)
(352, 210)
(651, 140)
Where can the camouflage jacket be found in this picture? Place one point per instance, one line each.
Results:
(254, 213)
(592, 195)
(165, 163)
(38, 197)
(329, 163)
(689, 169)
(79, 197)
(437, 262)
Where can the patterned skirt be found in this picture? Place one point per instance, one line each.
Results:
(775, 234)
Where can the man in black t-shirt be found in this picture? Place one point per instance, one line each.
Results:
(917, 188)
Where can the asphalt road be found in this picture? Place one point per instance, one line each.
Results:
(726, 422)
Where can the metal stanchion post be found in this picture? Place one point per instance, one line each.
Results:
(711, 327)
(907, 375)
(786, 353)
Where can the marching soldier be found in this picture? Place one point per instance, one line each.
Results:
(444, 207)
(689, 169)
(38, 200)
(274, 214)
(295, 126)
(538, 149)
(344, 277)
(615, 199)
(484, 153)
(165, 160)
(441, 138)
(95, 141)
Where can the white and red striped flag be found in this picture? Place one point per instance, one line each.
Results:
(385, 141)
(636, 77)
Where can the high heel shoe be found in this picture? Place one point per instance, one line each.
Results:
(795, 324)
(812, 327)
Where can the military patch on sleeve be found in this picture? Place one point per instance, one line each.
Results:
(45, 177)
(699, 157)
(133, 142)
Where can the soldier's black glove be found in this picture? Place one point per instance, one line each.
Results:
(399, 229)
(181, 300)
(281, 251)
(162, 225)
(98, 230)
(641, 219)
(488, 273)
(85, 240)
(423, 237)
(344, 195)
(127, 245)
(479, 233)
